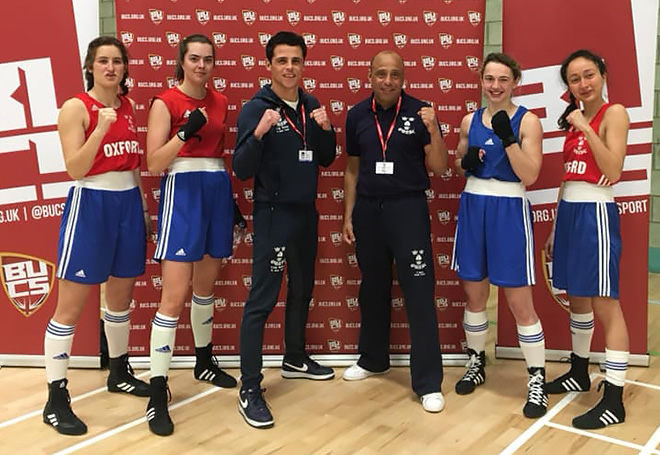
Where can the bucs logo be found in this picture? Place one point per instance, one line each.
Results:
(336, 106)
(354, 85)
(352, 259)
(352, 303)
(471, 105)
(337, 62)
(428, 62)
(220, 84)
(338, 17)
(309, 84)
(310, 39)
(558, 295)
(397, 303)
(384, 17)
(155, 192)
(354, 40)
(27, 281)
(172, 82)
(472, 62)
(248, 194)
(219, 39)
(441, 303)
(430, 17)
(444, 216)
(400, 40)
(335, 237)
(443, 260)
(248, 239)
(430, 194)
(156, 61)
(156, 16)
(334, 345)
(203, 16)
(445, 84)
(293, 17)
(336, 281)
(249, 17)
(445, 129)
(130, 82)
(338, 150)
(172, 38)
(335, 324)
(263, 38)
(446, 176)
(446, 39)
(337, 194)
(220, 303)
(127, 38)
(157, 282)
(474, 17)
(262, 81)
(247, 281)
(248, 62)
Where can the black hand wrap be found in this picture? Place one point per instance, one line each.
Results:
(239, 220)
(196, 121)
(471, 159)
(502, 127)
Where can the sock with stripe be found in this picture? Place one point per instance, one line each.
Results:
(163, 332)
(116, 325)
(57, 350)
(582, 330)
(616, 366)
(532, 344)
(201, 319)
(476, 329)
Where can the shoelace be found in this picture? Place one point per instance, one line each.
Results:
(472, 365)
(535, 385)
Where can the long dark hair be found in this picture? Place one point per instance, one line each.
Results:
(600, 64)
(91, 55)
(183, 48)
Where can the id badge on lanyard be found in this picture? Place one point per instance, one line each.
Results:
(305, 155)
(385, 167)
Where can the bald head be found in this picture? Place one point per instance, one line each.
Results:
(386, 77)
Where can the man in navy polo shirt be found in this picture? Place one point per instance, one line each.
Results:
(391, 139)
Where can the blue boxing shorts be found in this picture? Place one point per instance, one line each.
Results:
(196, 212)
(587, 244)
(494, 235)
(102, 232)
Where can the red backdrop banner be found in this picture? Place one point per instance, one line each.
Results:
(627, 44)
(36, 77)
(441, 43)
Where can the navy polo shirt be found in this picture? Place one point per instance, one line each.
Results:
(405, 147)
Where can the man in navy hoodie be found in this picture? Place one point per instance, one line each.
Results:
(283, 136)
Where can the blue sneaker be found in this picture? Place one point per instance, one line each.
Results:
(254, 409)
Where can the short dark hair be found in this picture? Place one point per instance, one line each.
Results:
(580, 53)
(91, 55)
(183, 48)
(287, 38)
(504, 59)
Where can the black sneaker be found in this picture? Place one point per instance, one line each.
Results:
(158, 416)
(475, 374)
(254, 409)
(608, 411)
(122, 378)
(537, 400)
(575, 380)
(58, 413)
(306, 369)
(207, 369)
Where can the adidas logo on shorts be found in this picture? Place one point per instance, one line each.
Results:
(81, 274)
(180, 252)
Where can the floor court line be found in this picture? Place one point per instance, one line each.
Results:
(600, 437)
(652, 443)
(119, 429)
(38, 412)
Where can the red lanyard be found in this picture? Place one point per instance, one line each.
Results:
(384, 142)
(293, 125)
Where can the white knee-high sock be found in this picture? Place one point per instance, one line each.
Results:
(57, 349)
(582, 330)
(532, 344)
(117, 325)
(163, 332)
(616, 366)
(201, 319)
(476, 329)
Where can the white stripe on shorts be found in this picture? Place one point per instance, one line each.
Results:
(166, 222)
(529, 242)
(69, 231)
(602, 222)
